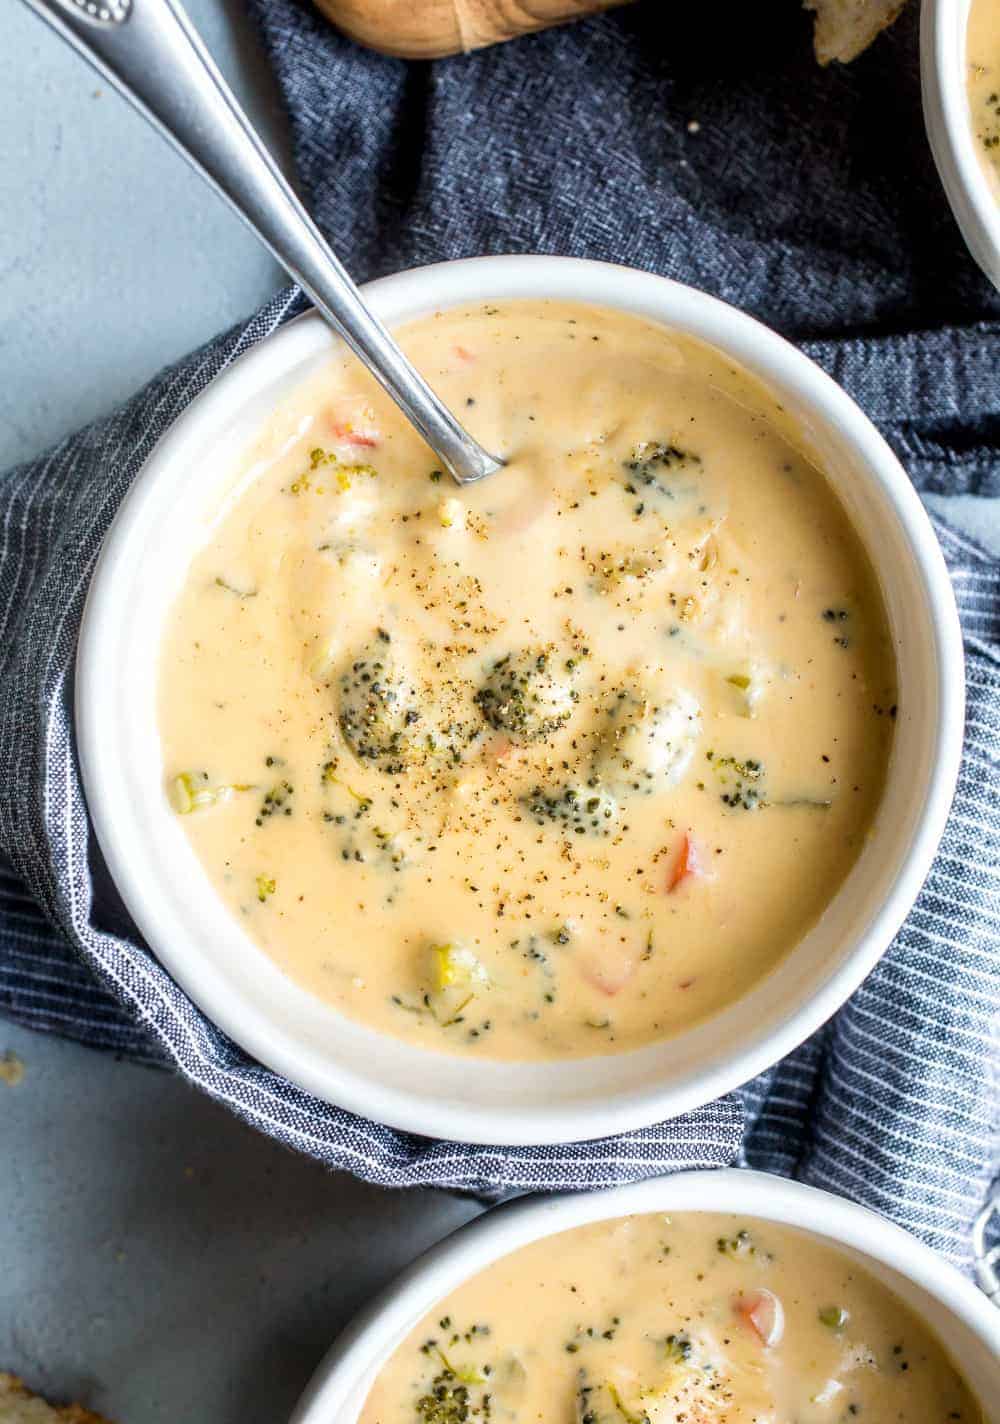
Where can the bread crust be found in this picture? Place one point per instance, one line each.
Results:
(844, 28)
(432, 29)
(19, 1406)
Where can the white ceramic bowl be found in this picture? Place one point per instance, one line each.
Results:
(141, 568)
(943, 69)
(960, 1315)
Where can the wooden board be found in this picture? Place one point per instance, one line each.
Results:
(429, 29)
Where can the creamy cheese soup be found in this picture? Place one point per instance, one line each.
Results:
(663, 1320)
(983, 51)
(555, 765)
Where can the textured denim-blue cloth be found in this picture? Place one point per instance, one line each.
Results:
(706, 146)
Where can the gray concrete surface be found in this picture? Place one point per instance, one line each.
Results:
(114, 256)
(166, 1264)
(157, 1259)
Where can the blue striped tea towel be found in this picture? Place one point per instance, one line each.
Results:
(711, 152)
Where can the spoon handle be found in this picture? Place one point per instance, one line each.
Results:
(149, 51)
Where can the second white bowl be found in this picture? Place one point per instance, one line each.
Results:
(943, 75)
(962, 1318)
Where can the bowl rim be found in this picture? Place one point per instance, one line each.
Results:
(747, 341)
(948, 121)
(370, 1336)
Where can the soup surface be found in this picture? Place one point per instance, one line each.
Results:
(658, 1320)
(983, 50)
(555, 765)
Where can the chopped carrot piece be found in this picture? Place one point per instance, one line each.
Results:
(500, 748)
(609, 975)
(530, 506)
(350, 436)
(686, 864)
(763, 1312)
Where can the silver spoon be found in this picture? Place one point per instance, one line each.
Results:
(149, 51)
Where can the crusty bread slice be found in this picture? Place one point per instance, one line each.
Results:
(845, 27)
(19, 1406)
(432, 28)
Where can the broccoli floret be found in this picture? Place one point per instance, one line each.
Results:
(527, 695)
(647, 744)
(584, 810)
(680, 1394)
(378, 710)
(653, 470)
(448, 1401)
(742, 781)
(601, 1403)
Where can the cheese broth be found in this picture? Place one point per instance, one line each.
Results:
(555, 765)
(691, 1319)
(983, 53)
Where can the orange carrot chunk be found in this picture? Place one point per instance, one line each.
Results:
(349, 436)
(609, 974)
(685, 866)
(763, 1313)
